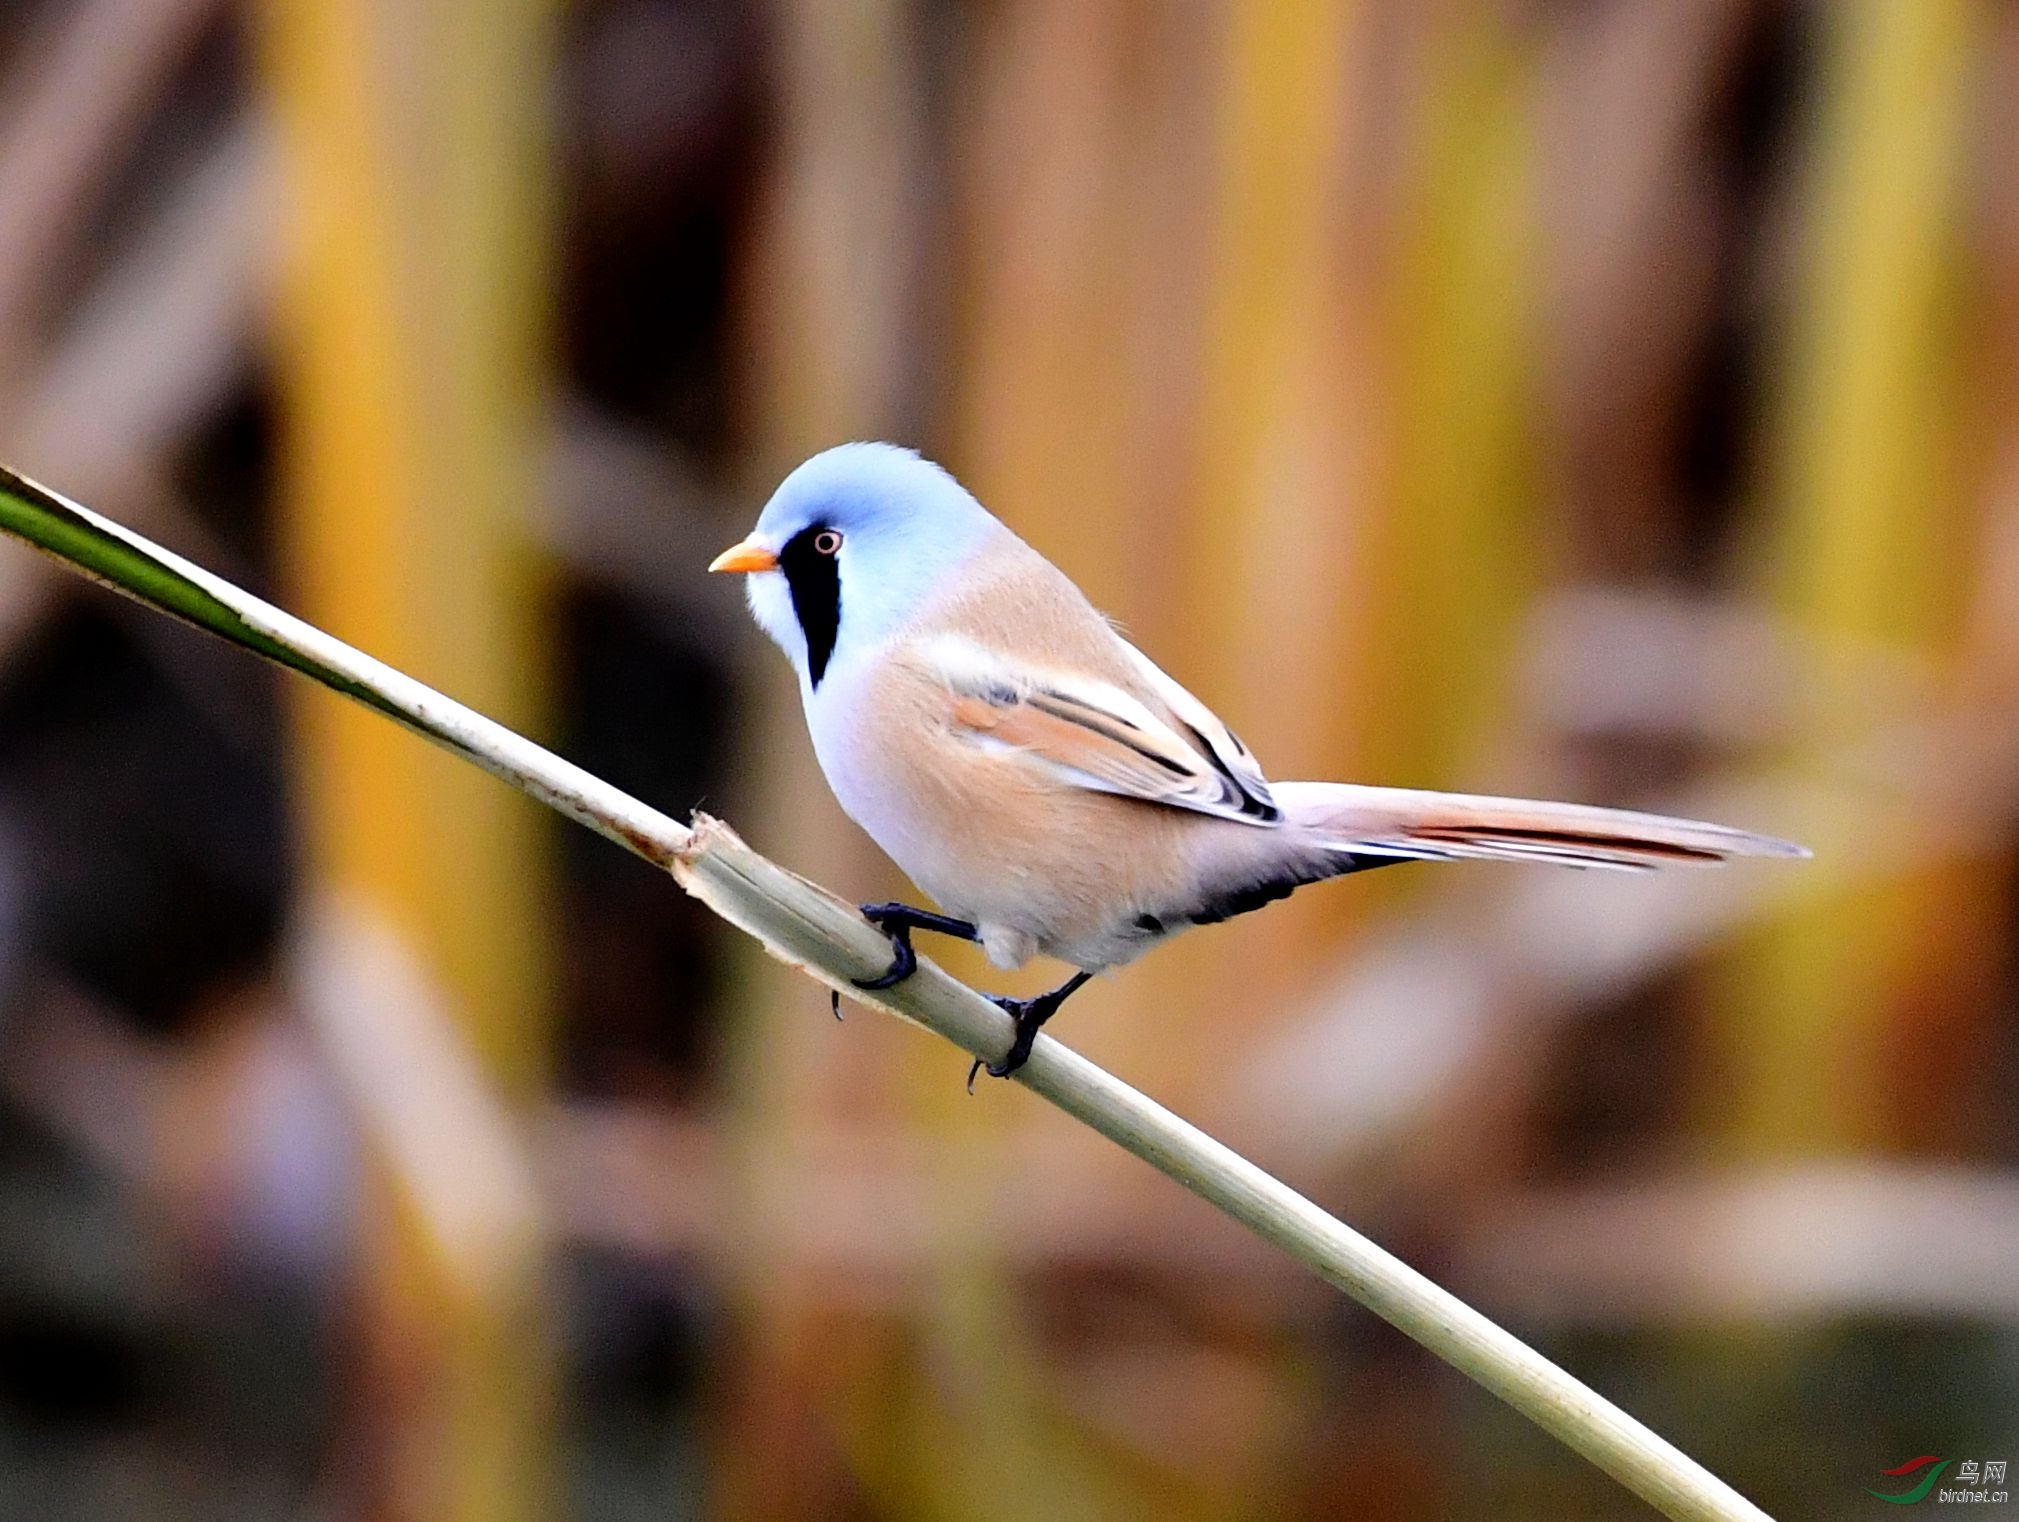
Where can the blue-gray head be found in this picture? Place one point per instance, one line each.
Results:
(851, 544)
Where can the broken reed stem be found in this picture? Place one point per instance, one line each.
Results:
(805, 925)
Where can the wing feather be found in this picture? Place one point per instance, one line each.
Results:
(1214, 738)
(1096, 735)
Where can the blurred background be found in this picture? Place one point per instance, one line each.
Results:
(1600, 400)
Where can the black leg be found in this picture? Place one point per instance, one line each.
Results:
(1029, 1014)
(898, 921)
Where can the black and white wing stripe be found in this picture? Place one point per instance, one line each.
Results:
(1232, 759)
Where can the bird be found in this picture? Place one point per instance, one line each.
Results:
(1047, 785)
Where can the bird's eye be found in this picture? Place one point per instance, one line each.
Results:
(827, 541)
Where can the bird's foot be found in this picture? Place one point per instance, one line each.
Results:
(1029, 1015)
(898, 921)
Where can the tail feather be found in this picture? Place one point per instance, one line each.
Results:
(1406, 823)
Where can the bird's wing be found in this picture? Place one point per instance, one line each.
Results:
(1096, 735)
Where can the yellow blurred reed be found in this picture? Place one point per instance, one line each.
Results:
(1867, 545)
(1457, 545)
(412, 338)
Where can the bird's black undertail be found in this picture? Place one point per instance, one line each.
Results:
(1260, 895)
(1029, 1014)
(898, 921)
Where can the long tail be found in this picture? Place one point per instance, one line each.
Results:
(1402, 822)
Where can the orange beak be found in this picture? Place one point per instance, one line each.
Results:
(745, 557)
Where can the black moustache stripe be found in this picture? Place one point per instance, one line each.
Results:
(815, 582)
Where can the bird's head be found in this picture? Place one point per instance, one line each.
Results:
(851, 544)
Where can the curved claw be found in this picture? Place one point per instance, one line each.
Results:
(904, 962)
(994, 1069)
(999, 1069)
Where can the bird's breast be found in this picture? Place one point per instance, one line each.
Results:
(878, 750)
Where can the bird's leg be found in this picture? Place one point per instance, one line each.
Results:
(1029, 1014)
(898, 921)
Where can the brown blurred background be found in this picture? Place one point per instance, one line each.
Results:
(1616, 401)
